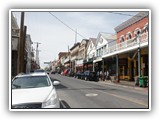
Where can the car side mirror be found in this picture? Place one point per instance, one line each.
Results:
(56, 83)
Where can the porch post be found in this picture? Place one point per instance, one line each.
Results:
(93, 67)
(102, 69)
(117, 75)
(139, 62)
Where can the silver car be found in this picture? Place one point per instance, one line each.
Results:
(34, 91)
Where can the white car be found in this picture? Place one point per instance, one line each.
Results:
(34, 91)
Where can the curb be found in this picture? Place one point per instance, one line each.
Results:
(126, 86)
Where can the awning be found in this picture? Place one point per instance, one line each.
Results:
(97, 60)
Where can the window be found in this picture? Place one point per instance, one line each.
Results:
(137, 32)
(122, 38)
(129, 35)
(30, 82)
(145, 29)
(101, 51)
(101, 40)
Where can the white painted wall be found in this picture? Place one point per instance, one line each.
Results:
(91, 51)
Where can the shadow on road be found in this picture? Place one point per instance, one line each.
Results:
(61, 87)
(64, 104)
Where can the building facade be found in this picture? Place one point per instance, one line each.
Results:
(29, 53)
(91, 54)
(74, 56)
(133, 33)
(131, 50)
(15, 33)
(124, 55)
(81, 55)
(101, 65)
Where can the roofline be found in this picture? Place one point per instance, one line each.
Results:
(139, 16)
(75, 45)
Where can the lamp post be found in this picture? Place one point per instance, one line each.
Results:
(139, 56)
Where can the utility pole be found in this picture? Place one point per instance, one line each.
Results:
(23, 66)
(20, 45)
(37, 53)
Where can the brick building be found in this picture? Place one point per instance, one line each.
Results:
(133, 33)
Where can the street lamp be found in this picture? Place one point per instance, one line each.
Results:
(139, 54)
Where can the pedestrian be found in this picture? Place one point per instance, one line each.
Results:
(107, 75)
(101, 74)
(98, 75)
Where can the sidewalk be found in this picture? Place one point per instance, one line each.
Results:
(123, 83)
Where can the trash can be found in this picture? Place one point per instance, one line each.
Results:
(143, 81)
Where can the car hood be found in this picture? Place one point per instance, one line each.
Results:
(30, 95)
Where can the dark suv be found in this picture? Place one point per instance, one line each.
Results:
(78, 75)
(89, 75)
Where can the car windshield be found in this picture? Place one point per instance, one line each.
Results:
(30, 82)
(39, 70)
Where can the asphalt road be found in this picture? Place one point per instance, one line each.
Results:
(76, 93)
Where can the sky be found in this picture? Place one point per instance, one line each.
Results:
(56, 30)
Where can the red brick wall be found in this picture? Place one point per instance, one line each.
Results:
(140, 24)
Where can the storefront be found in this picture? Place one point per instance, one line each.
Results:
(79, 65)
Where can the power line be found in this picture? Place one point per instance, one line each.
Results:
(124, 14)
(66, 25)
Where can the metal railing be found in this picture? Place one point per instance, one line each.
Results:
(126, 44)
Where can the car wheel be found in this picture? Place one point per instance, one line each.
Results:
(85, 78)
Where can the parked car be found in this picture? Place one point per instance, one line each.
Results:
(78, 75)
(53, 72)
(34, 91)
(89, 75)
(66, 72)
(70, 73)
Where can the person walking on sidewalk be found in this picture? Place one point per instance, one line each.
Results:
(98, 75)
(108, 75)
(105, 74)
(101, 74)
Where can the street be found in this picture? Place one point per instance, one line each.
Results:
(77, 93)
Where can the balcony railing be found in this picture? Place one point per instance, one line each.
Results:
(126, 44)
